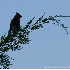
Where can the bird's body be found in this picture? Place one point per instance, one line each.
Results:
(15, 24)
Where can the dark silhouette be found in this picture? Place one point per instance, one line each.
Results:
(15, 24)
(13, 42)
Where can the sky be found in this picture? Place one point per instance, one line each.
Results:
(49, 46)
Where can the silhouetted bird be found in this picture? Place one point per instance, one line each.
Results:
(15, 24)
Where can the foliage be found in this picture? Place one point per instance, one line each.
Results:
(12, 42)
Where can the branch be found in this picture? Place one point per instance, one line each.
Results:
(12, 42)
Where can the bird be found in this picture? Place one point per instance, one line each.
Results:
(15, 24)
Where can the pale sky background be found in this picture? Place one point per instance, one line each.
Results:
(49, 46)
